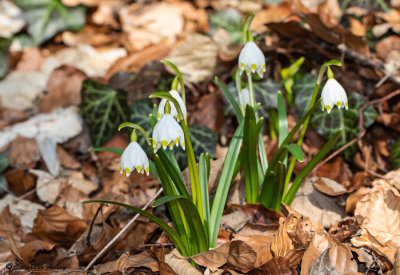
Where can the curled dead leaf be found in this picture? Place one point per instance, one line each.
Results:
(241, 256)
(179, 264)
(213, 258)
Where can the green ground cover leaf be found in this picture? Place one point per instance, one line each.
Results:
(204, 140)
(45, 18)
(265, 94)
(104, 109)
(4, 45)
(139, 114)
(230, 20)
(303, 89)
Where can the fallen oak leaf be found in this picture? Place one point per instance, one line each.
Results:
(241, 256)
(213, 258)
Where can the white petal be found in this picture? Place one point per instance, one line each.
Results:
(132, 157)
(251, 58)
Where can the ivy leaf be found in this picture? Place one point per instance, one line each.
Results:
(45, 18)
(303, 89)
(395, 155)
(4, 45)
(204, 140)
(139, 114)
(103, 109)
(230, 20)
(265, 94)
(328, 124)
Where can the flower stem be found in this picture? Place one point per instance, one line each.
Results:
(239, 90)
(135, 126)
(304, 129)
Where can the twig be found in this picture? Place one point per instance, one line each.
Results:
(361, 129)
(122, 231)
(100, 208)
(334, 154)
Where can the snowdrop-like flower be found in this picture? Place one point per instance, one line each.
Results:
(333, 94)
(251, 59)
(134, 158)
(174, 112)
(167, 132)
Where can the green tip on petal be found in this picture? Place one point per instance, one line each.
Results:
(127, 171)
(328, 107)
(164, 143)
(338, 104)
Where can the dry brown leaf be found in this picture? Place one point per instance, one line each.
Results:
(274, 13)
(24, 209)
(234, 221)
(319, 207)
(10, 116)
(340, 257)
(66, 160)
(24, 152)
(148, 25)
(64, 89)
(329, 187)
(135, 61)
(261, 244)
(335, 260)
(210, 112)
(276, 266)
(386, 45)
(241, 256)
(29, 250)
(118, 265)
(20, 182)
(196, 57)
(73, 3)
(31, 60)
(47, 187)
(354, 198)
(381, 208)
(55, 224)
(356, 27)
(213, 258)
(143, 259)
(347, 228)
(179, 264)
(91, 36)
(10, 223)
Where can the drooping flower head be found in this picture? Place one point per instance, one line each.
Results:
(333, 94)
(134, 158)
(167, 132)
(251, 59)
(174, 112)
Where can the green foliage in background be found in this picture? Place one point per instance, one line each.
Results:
(395, 155)
(103, 109)
(45, 18)
(204, 140)
(230, 20)
(4, 45)
(265, 94)
(3, 166)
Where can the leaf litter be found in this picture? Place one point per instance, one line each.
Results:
(344, 220)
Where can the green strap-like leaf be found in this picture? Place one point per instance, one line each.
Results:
(224, 183)
(309, 167)
(203, 175)
(230, 99)
(175, 238)
(296, 151)
(250, 158)
(118, 151)
(193, 218)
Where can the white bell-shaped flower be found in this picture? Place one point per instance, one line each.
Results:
(167, 132)
(174, 112)
(333, 94)
(251, 59)
(134, 158)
